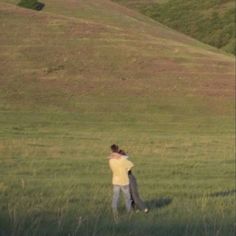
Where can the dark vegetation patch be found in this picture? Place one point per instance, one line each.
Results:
(32, 4)
(223, 193)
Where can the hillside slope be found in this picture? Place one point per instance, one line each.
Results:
(98, 48)
(212, 22)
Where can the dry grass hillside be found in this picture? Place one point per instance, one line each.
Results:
(98, 47)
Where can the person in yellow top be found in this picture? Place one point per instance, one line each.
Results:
(120, 180)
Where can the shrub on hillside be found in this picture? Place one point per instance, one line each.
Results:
(204, 20)
(231, 46)
(31, 4)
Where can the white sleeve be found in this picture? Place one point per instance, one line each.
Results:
(125, 156)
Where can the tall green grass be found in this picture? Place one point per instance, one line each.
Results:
(55, 178)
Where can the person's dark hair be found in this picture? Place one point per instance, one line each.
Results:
(114, 148)
(122, 152)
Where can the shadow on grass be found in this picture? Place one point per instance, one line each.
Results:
(159, 203)
(223, 193)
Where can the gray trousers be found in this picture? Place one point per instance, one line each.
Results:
(116, 196)
(135, 198)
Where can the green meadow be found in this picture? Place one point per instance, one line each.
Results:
(55, 178)
(76, 79)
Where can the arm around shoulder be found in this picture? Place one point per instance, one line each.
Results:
(129, 164)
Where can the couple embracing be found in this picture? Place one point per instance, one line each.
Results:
(123, 180)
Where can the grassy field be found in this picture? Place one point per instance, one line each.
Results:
(55, 178)
(82, 75)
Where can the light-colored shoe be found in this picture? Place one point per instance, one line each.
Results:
(146, 210)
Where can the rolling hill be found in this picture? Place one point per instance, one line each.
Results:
(210, 21)
(100, 47)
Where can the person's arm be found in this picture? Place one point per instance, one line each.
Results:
(125, 156)
(128, 164)
(115, 156)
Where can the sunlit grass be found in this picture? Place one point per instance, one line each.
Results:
(74, 86)
(55, 178)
